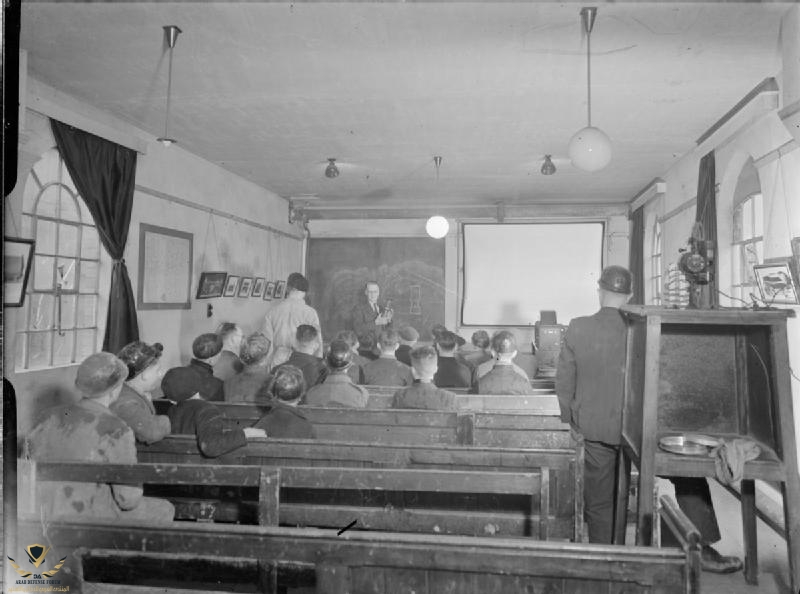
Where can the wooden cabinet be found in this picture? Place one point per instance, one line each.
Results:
(719, 373)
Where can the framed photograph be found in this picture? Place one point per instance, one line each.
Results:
(17, 257)
(269, 291)
(165, 268)
(776, 283)
(230, 286)
(211, 284)
(258, 287)
(280, 289)
(245, 286)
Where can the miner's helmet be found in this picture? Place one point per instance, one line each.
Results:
(616, 279)
(339, 355)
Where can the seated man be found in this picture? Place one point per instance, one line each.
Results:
(451, 372)
(386, 370)
(135, 402)
(357, 364)
(502, 379)
(338, 388)
(284, 418)
(195, 416)
(408, 340)
(302, 357)
(481, 352)
(423, 393)
(199, 373)
(366, 347)
(87, 431)
(487, 366)
(244, 386)
(228, 363)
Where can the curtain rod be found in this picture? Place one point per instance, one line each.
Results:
(214, 211)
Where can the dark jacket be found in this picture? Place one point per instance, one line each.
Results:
(283, 420)
(424, 396)
(403, 354)
(140, 415)
(245, 386)
(313, 368)
(227, 365)
(502, 379)
(198, 374)
(452, 374)
(337, 390)
(591, 375)
(387, 372)
(203, 419)
(362, 319)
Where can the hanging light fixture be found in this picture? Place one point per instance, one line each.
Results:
(171, 33)
(437, 226)
(331, 170)
(590, 147)
(548, 167)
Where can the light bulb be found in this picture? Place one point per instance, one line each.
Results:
(437, 227)
(590, 149)
(548, 167)
(331, 170)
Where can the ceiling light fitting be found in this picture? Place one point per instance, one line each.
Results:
(590, 147)
(331, 170)
(437, 227)
(171, 33)
(437, 162)
(548, 168)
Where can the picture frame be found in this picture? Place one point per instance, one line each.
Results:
(231, 284)
(165, 268)
(269, 290)
(211, 285)
(245, 286)
(280, 289)
(17, 259)
(258, 287)
(776, 283)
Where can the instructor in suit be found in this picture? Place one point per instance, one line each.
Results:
(370, 317)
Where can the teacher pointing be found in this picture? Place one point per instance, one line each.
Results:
(369, 317)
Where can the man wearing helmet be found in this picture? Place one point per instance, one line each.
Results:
(338, 388)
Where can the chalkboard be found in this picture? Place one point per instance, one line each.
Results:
(410, 272)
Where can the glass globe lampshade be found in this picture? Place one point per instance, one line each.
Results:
(590, 149)
(437, 227)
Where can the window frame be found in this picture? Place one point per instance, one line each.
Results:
(740, 287)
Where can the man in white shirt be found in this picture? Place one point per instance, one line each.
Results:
(283, 319)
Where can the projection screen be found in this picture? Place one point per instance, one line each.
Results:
(513, 271)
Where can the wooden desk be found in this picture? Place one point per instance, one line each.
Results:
(719, 373)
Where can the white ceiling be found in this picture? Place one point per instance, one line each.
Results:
(271, 90)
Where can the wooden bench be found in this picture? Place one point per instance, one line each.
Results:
(563, 466)
(104, 558)
(545, 401)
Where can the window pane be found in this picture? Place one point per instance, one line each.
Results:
(43, 273)
(67, 240)
(66, 272)
(758, 216)
(62, 348)
(21, 343)
(737, 223)
(747, 219)
(39, 349)
(41, 311)
(46, 168)
(737, 265)
(45, 237)
(90, 244)
(88, 277)
(751, 255)
(87, 310)
(32, 189)
(67, 311)
(49, 200)
(69, 208)
(86, 344)
(27, 226)
(66, 179)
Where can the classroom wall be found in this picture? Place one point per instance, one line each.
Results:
(173, 186)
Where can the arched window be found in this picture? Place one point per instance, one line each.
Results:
(748, 245)
(60, 310)
(655, 265)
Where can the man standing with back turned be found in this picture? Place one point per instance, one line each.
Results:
(283, 319)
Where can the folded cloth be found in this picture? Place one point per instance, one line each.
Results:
(730, 456)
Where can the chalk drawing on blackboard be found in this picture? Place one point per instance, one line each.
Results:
(414, 296)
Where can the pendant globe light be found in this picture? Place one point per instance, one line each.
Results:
(171, 33)
(589, 147)
(437, 226)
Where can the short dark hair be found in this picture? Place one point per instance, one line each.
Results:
(298, 282)
(254, 348)
(306, 334)
(446, 340)
(366, 342)
(504, 342)
(288, 383)
(388, 338)
(347, 336)
(480, 338)
(371, 282)
(206, 345)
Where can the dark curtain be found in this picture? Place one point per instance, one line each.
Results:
(707, 215)
(636, 259)
(104, 174)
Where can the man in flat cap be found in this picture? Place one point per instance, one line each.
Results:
(284, 317)
(200, 371)
(244, 386)
(135, 402)
(87, 431)
(285, 419)
(502, 379)
(338, 388)
(451, 372)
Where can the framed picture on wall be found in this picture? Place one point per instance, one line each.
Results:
(17, 257)
(211, 284)
(280, 289)
(269, 291)
(258, 287)
(165, 268)
(776, 283)
(245, 286)
(230, 286)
